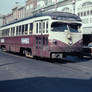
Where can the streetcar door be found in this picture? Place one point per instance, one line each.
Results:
(39, 38)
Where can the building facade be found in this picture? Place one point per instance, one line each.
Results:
(17, 13)
(1, 20)
(21, 12)
(82, 8)
(31, 5)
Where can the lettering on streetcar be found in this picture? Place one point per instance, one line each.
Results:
(25, 40)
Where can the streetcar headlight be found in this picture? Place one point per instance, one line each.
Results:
(70, 42)
(68, 36)
(55, 42)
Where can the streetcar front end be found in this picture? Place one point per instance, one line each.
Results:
(65, 38)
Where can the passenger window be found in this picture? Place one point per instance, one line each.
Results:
(22, 29)
(40, 40)
(19, 30)
(2, 32)
(36, 27)
(37, 42)
(8, 31)
(43, 27)
(16, 30)
(40, 28)
(31, 28)
(26, 28)
(47, 27)
(45, 40)
(13, 31)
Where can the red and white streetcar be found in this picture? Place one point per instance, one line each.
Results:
(49, 35)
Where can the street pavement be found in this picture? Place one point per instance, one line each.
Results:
(21, 74)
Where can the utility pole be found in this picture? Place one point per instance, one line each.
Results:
(56, 5)
(74, 5)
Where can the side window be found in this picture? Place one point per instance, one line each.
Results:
(37, 42)
(40, 40)
(45, 40)
(26, 29)
(16, 30)
(22, 29)
(37, 28)
(31, 28)
(40, 28)
(13, 31)
(43, 27)
(7, 32)
(47, 26)
(2, 32)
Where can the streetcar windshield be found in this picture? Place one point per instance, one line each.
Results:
(61, 27)
(74, 27)
(58, 26)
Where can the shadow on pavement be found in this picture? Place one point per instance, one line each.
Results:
(44, 84)
(68, 59)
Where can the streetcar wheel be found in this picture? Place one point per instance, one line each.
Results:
(28, 54)
(3, 49)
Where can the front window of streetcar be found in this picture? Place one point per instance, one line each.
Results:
(61, 27)
(74, 27)
(58, 27)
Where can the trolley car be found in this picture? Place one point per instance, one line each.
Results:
(50, 35)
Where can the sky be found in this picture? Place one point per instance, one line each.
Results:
(7, 5)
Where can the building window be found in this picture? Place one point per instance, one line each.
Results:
(90, 20)
(28, 7)
(81, 14)
(84, 13)
(87, 12)
(91, 12)
(78, 14)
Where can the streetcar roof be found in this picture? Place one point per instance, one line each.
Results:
(54, 15)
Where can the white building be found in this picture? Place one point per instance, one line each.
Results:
(1, 20)
(82, 8)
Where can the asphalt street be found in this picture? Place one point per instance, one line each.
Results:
(21, 74)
